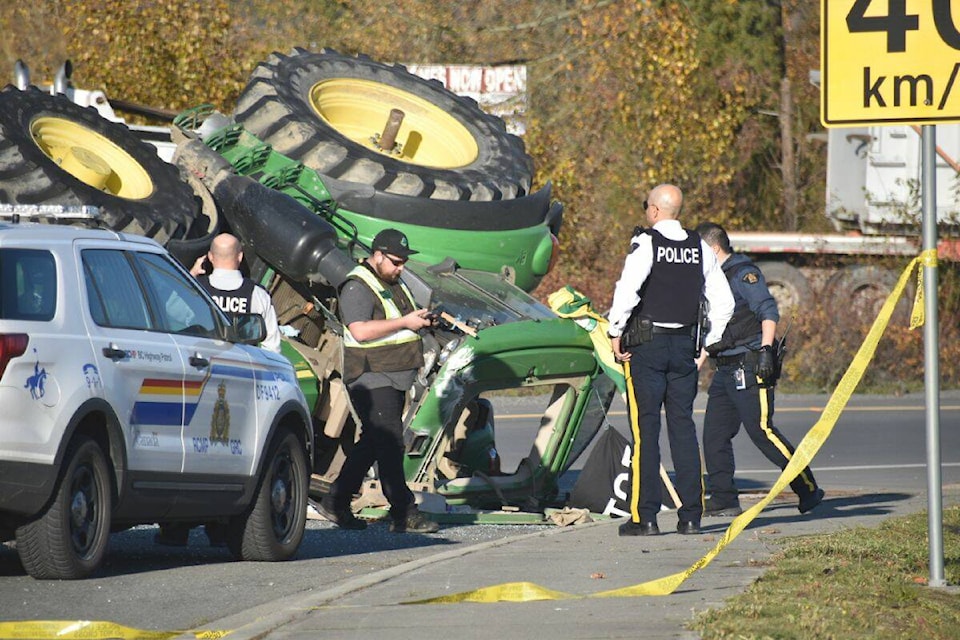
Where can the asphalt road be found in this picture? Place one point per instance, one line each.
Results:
(878, 443)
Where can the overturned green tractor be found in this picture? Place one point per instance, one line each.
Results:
(322, 152)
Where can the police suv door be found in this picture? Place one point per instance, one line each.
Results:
(138, 368)
(220, 418)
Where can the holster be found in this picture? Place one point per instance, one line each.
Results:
(637, 331)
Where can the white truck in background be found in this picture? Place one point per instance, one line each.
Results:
(873, 200)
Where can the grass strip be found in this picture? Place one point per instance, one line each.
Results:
(855, 583)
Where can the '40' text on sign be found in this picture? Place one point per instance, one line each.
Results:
(889, 61)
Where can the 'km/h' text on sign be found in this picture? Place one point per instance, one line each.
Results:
(890, 61)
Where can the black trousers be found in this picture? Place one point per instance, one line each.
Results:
(662, 374)
(381, 441)
(727, 409)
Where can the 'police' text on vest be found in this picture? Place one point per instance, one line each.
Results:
(678, 255)
(231, 304)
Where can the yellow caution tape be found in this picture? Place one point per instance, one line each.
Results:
(90, 630)
(927, 259)
(507, 592)
(808, 447)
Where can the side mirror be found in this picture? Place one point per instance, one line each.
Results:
(248, 328)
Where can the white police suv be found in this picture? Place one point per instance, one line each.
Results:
(127, 397)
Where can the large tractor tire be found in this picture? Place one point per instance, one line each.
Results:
(54, 152)
(329, 111)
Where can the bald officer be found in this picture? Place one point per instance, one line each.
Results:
(653, 330)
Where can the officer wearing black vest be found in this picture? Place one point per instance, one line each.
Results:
(742, 388)
(231, 290)
(234, 294)
(382, 353)
(654, 332)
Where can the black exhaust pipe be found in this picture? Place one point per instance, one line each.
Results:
(292, 239)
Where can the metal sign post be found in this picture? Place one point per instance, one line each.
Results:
(931, 350)
(899, 63)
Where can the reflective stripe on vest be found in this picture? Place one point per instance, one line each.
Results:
(390, 310)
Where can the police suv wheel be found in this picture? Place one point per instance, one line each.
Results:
(272, 529)
(69, 539)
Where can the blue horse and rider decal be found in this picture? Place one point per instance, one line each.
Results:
(36, 382)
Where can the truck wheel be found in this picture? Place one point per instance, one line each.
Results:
(272, 528)
(328, 111)
(69, 539)
(53, 151)
(788, 286)
(863, 289)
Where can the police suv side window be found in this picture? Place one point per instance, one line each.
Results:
(180, 305)
(113, 293)
(28, 284)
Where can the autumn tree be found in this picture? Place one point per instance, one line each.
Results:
(622, 94)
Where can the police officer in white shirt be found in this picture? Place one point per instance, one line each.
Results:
(653, 330)
(233, 292)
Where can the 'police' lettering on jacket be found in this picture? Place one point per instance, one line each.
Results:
(678, 255)
(672, 291)
(231, 304)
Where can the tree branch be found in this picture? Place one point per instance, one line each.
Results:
(557, 17)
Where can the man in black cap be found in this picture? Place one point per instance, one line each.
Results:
(382, 353)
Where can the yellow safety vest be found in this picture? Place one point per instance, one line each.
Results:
(398, 351)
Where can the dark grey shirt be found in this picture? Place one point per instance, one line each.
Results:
(356, 305)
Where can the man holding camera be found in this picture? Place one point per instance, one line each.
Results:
(741, 392)
(382, 353)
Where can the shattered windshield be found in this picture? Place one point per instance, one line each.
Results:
(477, 298)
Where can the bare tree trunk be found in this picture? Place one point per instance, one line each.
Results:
(788, 163)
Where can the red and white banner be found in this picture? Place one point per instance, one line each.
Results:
(500, 90)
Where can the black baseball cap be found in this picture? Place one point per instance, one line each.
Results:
(394, 242)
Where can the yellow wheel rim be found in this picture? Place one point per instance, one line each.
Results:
(359, 110)
(91, 158)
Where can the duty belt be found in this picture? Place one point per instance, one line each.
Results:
(749, 357)
(685, 330)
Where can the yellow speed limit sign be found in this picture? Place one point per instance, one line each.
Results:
(889, 61)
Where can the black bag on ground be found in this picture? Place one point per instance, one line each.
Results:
(603, 485)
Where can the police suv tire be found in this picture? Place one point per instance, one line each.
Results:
(54, 152)
(69, 539)
(466, 153)
(272, 528)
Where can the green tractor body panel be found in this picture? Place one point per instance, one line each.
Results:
(522, 249)
(521, 345)
(306, 376)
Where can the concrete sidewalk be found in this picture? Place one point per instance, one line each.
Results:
(578, 560)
